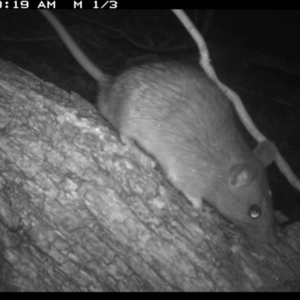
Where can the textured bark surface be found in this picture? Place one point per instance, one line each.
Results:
(78, 212)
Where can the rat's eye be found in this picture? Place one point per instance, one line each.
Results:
(254, 211)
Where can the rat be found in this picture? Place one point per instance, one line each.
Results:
(178, 116)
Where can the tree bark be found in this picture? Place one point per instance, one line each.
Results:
(79, 212)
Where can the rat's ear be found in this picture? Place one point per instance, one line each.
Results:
(241, 174)
(266, 152)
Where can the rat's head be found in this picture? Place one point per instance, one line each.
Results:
(242, 195)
